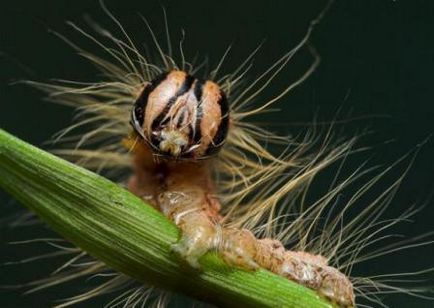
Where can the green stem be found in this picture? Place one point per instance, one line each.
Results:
(116, 227)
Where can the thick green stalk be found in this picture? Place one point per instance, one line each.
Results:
(131, 237)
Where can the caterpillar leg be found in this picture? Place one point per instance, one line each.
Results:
(239, 248)
(199, 234)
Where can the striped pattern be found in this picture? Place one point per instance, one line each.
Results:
(196, 110)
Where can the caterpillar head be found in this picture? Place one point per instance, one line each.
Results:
(180, 116)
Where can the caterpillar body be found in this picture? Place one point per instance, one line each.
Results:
(183, 190)
(185, 146)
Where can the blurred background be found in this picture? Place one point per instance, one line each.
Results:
(377, 59)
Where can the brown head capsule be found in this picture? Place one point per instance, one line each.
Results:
(181, 116)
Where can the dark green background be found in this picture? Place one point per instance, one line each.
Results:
(377, 64)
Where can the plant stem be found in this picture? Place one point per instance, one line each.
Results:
(116, 227)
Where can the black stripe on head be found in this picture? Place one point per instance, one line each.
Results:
(198, 92)
(198, 89)
(220, 136)
(138, 112)
(185, 87)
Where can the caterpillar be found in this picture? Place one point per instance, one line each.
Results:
(177, 117)
(197, 158)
